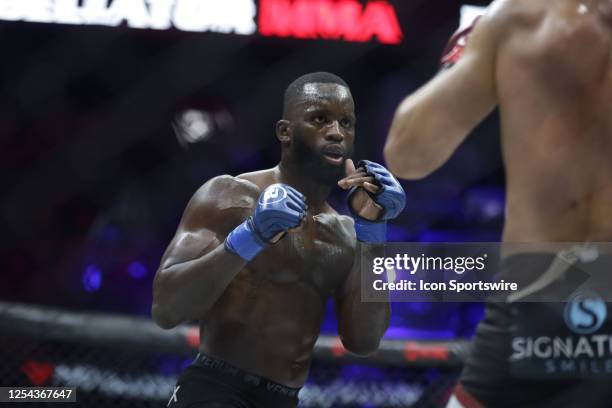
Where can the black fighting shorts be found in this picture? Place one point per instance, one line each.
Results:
(213, 383)
(543, 354)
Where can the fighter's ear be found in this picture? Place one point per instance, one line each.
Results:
(283, 131)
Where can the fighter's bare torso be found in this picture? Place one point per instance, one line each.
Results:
(554, 88)
(269, 317)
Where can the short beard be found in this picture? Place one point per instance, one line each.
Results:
(314, 164)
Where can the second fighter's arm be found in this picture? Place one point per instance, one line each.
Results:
(432, 122)
(196, 268)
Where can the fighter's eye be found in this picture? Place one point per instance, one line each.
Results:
(346, 122)
(319, 119)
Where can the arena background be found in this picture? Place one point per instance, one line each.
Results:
(105, 132)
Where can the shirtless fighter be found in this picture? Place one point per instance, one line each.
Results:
(257, 256)
(547, 65)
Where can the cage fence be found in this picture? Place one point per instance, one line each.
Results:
(124, 361)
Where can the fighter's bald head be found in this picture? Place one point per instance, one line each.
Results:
(304, 88)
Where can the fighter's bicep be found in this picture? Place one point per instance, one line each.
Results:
(188, 245)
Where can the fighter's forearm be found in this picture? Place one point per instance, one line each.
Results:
(363, 324)
(188, 290)
(368, 325)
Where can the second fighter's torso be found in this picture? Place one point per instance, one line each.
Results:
(554, 82)
(269, 317)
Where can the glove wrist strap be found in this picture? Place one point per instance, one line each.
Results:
(244, 241)
(371, 232)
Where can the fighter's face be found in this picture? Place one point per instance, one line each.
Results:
(323, 129)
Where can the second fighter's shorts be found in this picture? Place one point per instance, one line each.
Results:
(542, 354)
(212, 383)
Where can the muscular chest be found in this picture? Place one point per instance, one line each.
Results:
(320, 254)
(566, 55)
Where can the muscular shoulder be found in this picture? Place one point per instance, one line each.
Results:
(221, 203)
(512, 14)
(226, 192)
(260, 178)
(503, 20)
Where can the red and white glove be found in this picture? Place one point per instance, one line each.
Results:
(456, 46)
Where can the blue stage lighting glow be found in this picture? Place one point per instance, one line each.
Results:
(137, 270)
(92, 278)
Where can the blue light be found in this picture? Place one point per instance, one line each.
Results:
(92, 278)
(137, 270)
(172, 365)
(110, 233)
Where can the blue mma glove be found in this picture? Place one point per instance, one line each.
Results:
(391, 197)
(279, 208)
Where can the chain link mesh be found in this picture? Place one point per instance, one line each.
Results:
(113, 377)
